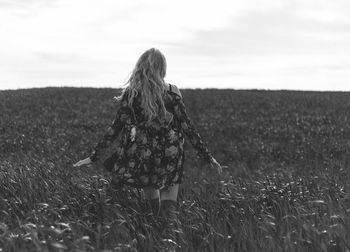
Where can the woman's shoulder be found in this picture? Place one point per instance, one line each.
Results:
(174, 89)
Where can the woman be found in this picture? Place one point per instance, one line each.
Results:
(152, 121)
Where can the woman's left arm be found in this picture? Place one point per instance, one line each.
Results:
(113, 131)
(190, 130)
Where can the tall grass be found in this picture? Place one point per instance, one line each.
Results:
(286, 189)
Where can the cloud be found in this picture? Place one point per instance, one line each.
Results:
(268, 32)
(26, 3)
(50, 57)
(298, 44)
(25, 9)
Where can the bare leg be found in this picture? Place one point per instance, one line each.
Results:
(170, 193)
(153, 196)
(169, 211)
(151, 193)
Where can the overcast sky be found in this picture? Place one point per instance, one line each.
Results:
(270, 44)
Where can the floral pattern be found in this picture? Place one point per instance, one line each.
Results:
(150, 154)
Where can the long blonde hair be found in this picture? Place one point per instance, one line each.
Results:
(147, 78)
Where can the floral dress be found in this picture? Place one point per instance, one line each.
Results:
(150, 154)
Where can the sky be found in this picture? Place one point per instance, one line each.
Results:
(250, 44)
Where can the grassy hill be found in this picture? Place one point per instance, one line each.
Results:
(286, 186)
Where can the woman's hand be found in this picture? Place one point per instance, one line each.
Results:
(215, 164)
(85, 161)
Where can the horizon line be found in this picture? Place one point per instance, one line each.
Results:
(197, 88)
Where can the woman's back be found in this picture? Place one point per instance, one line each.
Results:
(151, 152)
(158, 122)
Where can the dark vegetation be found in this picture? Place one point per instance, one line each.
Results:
(286, 187)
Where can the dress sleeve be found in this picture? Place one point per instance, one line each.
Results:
(190, 130)
(122, 117)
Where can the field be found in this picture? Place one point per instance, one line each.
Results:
(286, 187)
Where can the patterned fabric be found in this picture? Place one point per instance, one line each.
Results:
(150, 154)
